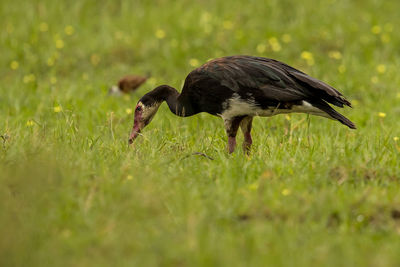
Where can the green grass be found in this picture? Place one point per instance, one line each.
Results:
(72, 193)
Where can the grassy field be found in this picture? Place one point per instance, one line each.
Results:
(313, 192)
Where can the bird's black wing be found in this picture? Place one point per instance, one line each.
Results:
(277, 80)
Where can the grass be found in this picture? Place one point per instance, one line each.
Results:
(312, 193)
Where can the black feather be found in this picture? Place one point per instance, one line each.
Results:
(333, 113)
(268, 81)
(276, 79)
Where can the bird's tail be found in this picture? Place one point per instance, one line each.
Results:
(322, 105)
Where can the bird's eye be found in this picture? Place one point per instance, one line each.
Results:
(139, 108)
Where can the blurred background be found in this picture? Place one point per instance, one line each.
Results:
(313, 192)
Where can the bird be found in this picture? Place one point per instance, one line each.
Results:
(238, 88)
(127, 84)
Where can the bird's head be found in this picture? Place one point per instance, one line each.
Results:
(145, 110)
(114, 90)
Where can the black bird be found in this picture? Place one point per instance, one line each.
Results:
(237, 88)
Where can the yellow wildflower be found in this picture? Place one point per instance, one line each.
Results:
(129, 177)
(194, 62)
(29, 78)
(57, 109)
(26, 79)
(382, 114)
(69, 30)
(381, 68)
(376, 29)
(253, 186)
(395, 138)
(50, 61)
(274, 43)
(205, 17)
(119, 35)
(227, 24)
(43, 27)
(160, 34)
(308, 57)
(286, 192)
(30, 123)
(342, 68)
(14, 65)
(261, 48)
(59, 43)
(53, 80)
(335, 54)
(128, 111)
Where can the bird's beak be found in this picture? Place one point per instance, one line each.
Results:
(137, 127)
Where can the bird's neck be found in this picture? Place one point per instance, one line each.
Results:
(177, 103)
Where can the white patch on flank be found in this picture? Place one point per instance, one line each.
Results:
(225, 105)
(306, 107)
(237, 106)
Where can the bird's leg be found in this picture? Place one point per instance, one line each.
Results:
(246, 125)
(231, 127)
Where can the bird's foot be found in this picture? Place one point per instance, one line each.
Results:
(246, 148)
(247, 143)
(231, 144)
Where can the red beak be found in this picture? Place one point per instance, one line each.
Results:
(133, 136)
(137, 127)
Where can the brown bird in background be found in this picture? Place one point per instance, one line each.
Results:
(127, 84)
